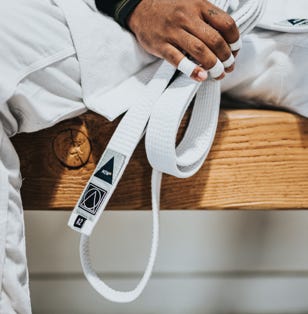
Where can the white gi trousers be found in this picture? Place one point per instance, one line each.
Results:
(271, 69)
(39, 86)
(56, 85)
(14, 297)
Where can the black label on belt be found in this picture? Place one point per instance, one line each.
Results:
(92, 198)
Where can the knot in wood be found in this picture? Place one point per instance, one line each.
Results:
(72, 148)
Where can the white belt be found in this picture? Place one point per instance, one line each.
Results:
(158, 115)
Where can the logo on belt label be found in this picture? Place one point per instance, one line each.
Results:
(92, 198)
(109, 166)
(106, 171)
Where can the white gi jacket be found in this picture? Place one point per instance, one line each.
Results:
(111, 62)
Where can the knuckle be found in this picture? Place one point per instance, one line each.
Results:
(171, 36)
(218, 43)
(208, 63)
(168, 22)
(225, 55)
(198, 49)
(143, 38)
(229, 24)
(168, 55)
(180, 16)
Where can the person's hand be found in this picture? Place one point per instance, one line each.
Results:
(169, 28)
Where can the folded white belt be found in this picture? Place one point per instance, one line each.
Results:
(158, 115)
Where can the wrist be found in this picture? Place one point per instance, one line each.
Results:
(119, 10)
(124, 12)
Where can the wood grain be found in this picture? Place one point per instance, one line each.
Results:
(259, 161)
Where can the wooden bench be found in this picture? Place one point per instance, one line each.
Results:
(259, 161)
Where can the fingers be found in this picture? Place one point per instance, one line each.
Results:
(178, 60)
(205, 42)
(170, 29)
(207, 46)
(221, 21)
(189, 68)
(200, 52)
(214, 41)
(224, 24)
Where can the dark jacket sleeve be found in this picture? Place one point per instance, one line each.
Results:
(120, 10)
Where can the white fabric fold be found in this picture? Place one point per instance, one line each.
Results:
(107, 54)
(14, 280)
(3, 215)
(289, 16)
(23, 23)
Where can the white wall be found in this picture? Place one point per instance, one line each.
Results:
(208, 262)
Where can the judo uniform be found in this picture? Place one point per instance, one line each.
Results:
(59, 58)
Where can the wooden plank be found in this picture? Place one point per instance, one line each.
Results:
(258, 161)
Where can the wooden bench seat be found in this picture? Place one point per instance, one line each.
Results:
(259, 161)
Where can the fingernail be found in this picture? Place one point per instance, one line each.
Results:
(220, 77)
(202, 75)
(230, 69)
